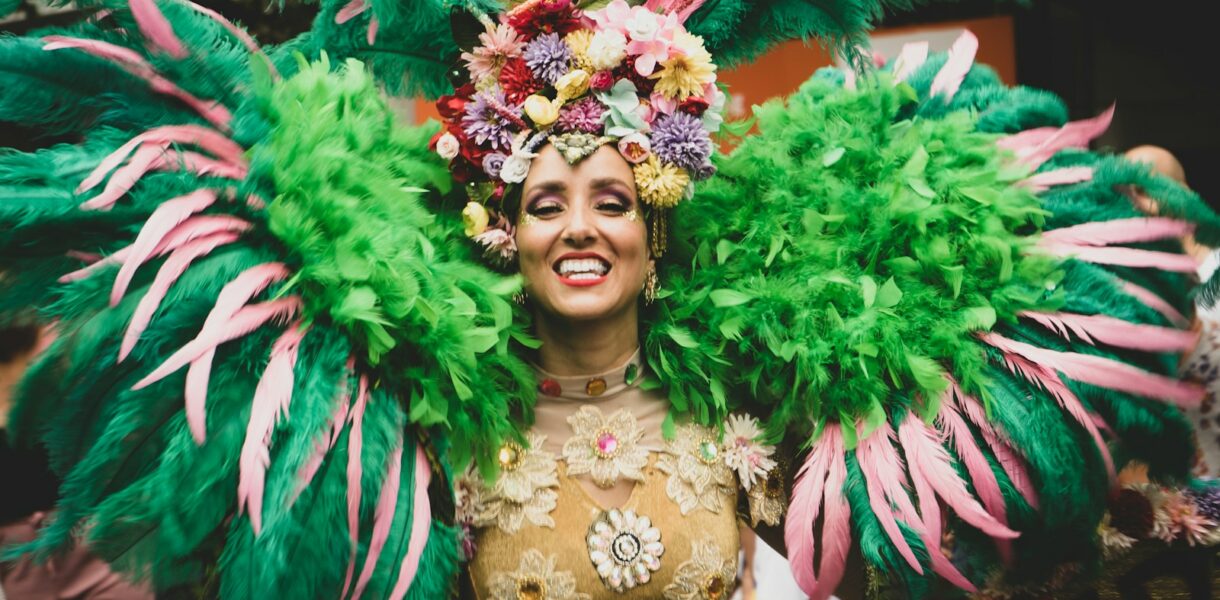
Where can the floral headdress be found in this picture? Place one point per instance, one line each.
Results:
(548, 72)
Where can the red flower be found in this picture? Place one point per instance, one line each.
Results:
(537, 17)
(602, 81)
(642, 82)
(518, 81)
(694, 106)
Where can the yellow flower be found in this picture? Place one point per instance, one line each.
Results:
(475, 218)
(578, 41)
(688, 71)
(541, 111)
(572, 84)
(660, 184)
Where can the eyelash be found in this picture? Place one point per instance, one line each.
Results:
(615, 203)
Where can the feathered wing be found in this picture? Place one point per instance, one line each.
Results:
(936, 266)
(268, 345)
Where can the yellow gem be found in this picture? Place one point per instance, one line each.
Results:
(596, 386)
(531, 588)
(510, 456)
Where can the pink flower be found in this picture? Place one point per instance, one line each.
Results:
(651, 36)
(498, 45)
(661, 106)
(613, 16)
(602, 81)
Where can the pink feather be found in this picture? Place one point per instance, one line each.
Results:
(169, 273)
(337, 420)
(156, 28)
(1035, 146)
(164, 219)
(1046, 378)
(911, 57)
(132, 62)
(125, 178)
(214, 142)
(681, 8)
(1040, 182)
(192, 229)
(929, 509)
(951, 75)
(929, 460)
(1123, 257)
(1155, 302)
(886, 494)
(981, 476)
(1012, 462)
(1116, 332)
(355, 445)
(350, 11)
(245, 321)
(1103, 372)
(836, 528)
(421, 524)
(231, 298)
(383, 517)
(374, 25)
(271, 399)
(1120, 231)
(803, 509)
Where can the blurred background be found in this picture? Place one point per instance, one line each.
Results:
(1154, 59)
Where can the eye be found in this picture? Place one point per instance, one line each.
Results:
(545, 206)
(613, 203)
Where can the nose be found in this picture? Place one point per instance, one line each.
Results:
(580, 230)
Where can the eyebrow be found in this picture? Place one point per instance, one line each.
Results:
(556, 185)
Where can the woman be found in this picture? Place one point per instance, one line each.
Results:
(276, 349)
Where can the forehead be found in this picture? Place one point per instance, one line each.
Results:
(606, 162)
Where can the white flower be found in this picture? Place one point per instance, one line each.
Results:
(743, 453)
(607, 49)
(643, 25)
(447, 146)
(625, 549)
(515, 168)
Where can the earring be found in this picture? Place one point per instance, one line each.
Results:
(650, 286)
(520, 297)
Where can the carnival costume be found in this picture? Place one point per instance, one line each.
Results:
(280, 348)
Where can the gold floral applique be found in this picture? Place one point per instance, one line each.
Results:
(605, 448)
(767, 500)
(698, 475)
(707, 575)
(535, 579)
(526, 489)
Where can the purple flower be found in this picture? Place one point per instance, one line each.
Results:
(584, 115)
(488, 118)
(1207, 501)
(548, 56)
(681, 139)
(492, 163)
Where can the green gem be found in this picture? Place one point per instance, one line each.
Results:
(632, 371)
(708, 451)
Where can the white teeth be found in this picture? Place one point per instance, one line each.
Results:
(582, 268)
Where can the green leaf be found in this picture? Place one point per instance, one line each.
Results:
(724, 249)
(726, 298)
(833, 156)
(921, 187)
(979, 318)
(889, 295)
(868, 290)
(682, 337)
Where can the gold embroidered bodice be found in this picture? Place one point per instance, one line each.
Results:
(700, 548)
(597, 504)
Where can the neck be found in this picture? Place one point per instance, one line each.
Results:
(579, 348)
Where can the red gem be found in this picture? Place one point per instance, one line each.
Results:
(550, 387)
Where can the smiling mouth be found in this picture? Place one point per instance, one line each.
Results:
(587, 270)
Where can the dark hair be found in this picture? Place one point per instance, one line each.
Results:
(16, 341)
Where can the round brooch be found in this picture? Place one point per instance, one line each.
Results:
(625, 548)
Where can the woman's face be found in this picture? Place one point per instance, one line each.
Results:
(581, 236)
